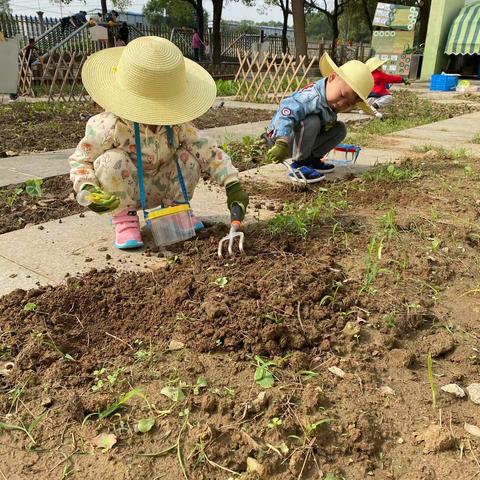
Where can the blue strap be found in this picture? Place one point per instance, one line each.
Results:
(141, 186)
(181, 181)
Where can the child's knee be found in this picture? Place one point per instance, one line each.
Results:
(341, 130)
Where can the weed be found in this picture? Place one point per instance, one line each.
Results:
(332, 299)
(30, 307)
(173, 393)
(433, 214)
(312, 427)
(10, 196)
(468, 170)
(371, 266)
(226, 88)
(273, 317)
(53, 346)
(25, 428)
(221, 282)
(33, 187)
(392, 173)
(298, 219)
(274, 423)
(102, 378)
(388, 224)
(307, 374)
(145, 425)
(431, 380)
(436, 243)
(263, 376)
(476, 138)
(389, 320)
(201, 383)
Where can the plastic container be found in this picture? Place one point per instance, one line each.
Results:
(84, 198)
(443, 83)
(171, 225)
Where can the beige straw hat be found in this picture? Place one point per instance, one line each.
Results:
(355, 73)
(374, 63)
(150, 82)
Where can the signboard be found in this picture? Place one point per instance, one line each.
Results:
(397, 64)
(9, 62)
(395, 16)
(395, 42)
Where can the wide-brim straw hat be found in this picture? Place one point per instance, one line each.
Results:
(149, 81)
(374, 63)
(355, 73)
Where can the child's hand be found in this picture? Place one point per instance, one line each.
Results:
(102, 202)
(279, 152)
(236, 194)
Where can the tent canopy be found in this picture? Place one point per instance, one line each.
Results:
(464, 36)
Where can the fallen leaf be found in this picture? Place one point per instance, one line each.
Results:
(472, 429)
(337, 371)
(104, 440)
(173, 393)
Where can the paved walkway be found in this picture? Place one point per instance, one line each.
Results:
(45, 254)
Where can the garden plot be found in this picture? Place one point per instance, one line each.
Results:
(321, 353)
(41, 127)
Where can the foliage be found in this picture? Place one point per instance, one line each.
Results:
(226, 88)
(10, 196)
(171, 13)
(392, 173)
(263, 376)
(298, 219)
(33, 187)
(5, 6)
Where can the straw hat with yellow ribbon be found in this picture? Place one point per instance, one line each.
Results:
(374, 63)
(149, 81)
(355, 73)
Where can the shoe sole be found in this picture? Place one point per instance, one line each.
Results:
(129, 244)
(330, 170)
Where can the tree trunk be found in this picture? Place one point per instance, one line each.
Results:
(335, 31)
(217, 39)
(299, 27)
(285, 10)
(368, 17)
(424, 17)
(103, 4)
(200, 24)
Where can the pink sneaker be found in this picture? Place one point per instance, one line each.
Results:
(127, 229)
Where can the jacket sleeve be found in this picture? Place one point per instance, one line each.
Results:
(386, 78)
(296, 108)
(213, 160)
(99, 137)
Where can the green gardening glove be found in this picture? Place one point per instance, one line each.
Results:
(236, 194)
(102, 202)
(279, 152)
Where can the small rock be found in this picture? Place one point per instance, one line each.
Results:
(337, 371)
(89, 259)
(108, 256)
(82, 215)
(214, 309)
(351, 330)
(437, 439)
(46, 402)
(454, 389)
(11, 153)
(474, 392)
(325, 345)
(174, 345)
(472, 429)
(438, 344)
(400, 441)
(387, 391)
(12, 275)
(102, 249)
(209, 404)
(271, 207)
(41, 227)
(255, 466)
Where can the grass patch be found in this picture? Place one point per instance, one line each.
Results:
(297, 220)
(249, 153)
(476, 138)
(392, 173)
(408, 111)
(226, 88)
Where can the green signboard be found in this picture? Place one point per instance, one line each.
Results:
(395, 16)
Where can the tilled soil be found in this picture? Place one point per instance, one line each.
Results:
(19, 209)
(40, 127)
(387, 273)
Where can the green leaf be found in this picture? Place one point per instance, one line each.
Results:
(30, 307)
(308, 374)
(118, 404)
(145, 425)
(221, 281)
(267, 381)
(33, 187)
(173, 393)
(201, 383)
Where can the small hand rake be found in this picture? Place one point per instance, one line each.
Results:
(235, 223)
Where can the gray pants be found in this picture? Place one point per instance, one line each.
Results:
(380, 102)
(311, 139)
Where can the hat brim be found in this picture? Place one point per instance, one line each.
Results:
(327, 66)
(377, 64)
(99, 79)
